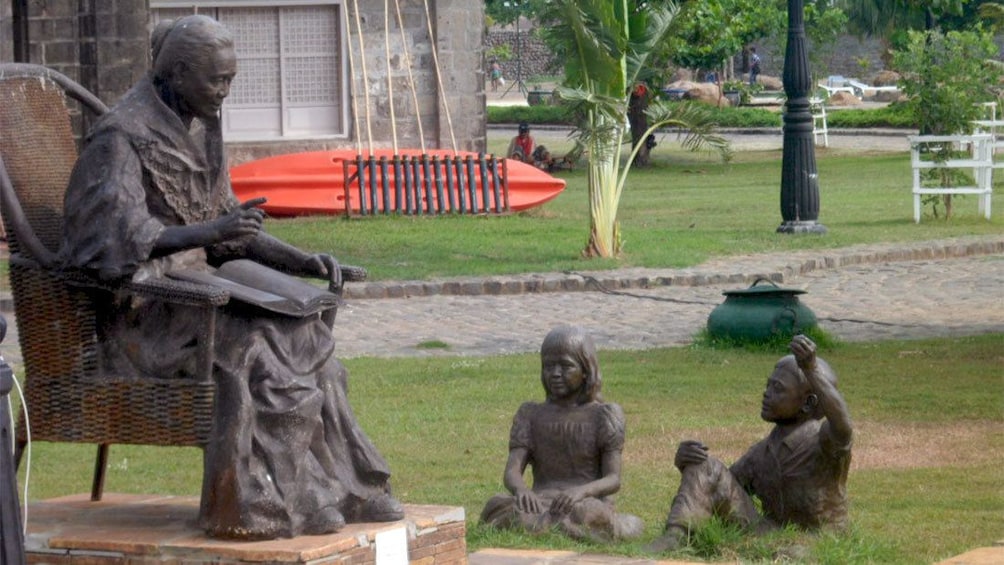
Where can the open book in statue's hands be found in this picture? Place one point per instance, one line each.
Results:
(253, 283)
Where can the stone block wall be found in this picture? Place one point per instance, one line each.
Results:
(460, 36)
(453, 96)
(104, 45)
(844, 57)
(114, 46)
(535, 59)
(840, 59)
(6, 32)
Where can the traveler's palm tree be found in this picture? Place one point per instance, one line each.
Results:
(604, 44)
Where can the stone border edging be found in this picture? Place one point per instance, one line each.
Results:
(776, 267)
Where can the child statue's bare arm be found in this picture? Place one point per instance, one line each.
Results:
(821, 382)
(526, 499)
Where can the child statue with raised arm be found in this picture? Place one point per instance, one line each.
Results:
(799, 471)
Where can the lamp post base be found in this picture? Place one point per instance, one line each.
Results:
(801, 227)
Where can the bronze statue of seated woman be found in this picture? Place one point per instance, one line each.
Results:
(150, 195)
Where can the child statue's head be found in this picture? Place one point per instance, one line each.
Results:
(569, 366)
(788, 396)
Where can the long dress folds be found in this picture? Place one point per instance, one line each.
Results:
(286, 455)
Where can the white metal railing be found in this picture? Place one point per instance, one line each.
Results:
(979, 161)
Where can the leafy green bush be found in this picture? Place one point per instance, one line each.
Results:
(747, 117)
(543, 114)
(895, 115)
(946, 76)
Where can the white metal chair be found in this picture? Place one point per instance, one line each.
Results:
(819, 129)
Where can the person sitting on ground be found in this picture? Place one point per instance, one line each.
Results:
(798, 472)
(521, 146)
(573, 442)
(542, 158)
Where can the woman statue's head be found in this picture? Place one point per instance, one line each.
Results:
(193, 57)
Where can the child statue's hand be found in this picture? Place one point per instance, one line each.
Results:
(563, 503)
(690, 452)
(528, 501)
(804, 351)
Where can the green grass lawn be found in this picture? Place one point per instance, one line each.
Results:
(925, 482)
(926, 478)
(686, 208)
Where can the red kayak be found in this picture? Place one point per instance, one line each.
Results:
(440, 181)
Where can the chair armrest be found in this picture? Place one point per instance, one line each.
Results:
(162, 289)
(178, 292)
(352, 273)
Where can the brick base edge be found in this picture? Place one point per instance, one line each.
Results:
(141, 529)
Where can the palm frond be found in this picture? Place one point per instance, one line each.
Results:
(648, 29)
(696, 119)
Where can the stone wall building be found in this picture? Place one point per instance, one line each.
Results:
(849, 56)
(529, 56)
(311, 74)
(6, 32)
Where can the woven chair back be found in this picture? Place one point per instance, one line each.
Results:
(39, 152)
(56, 324)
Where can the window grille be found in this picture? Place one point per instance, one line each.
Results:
(291, 66)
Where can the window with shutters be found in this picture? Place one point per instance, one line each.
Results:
(292, 71)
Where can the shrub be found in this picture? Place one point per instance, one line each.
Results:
(896, 115)
(746, 117)
(543, 114)
(946, 76)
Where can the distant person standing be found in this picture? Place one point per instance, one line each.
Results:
(754, 66)
(495, 72)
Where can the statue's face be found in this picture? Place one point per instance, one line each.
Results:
(203, 87)
(784, 396)
(562, 375)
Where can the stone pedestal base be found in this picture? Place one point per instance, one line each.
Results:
(801, 227)
(141, 529)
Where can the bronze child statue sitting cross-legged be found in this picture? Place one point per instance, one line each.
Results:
(573, 442)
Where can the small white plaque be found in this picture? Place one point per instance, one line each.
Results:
(392, 547)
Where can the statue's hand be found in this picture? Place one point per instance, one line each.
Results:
(324, 266)
(528, 501)
(690, 452)
(804, 351)
(566, 499)
(243, 221)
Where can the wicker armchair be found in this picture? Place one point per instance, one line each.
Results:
(69, 395)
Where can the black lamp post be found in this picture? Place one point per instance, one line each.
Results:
(518, 83)
(799, 178)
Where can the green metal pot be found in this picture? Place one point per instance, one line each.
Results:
(760, 312)
(538, 97)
